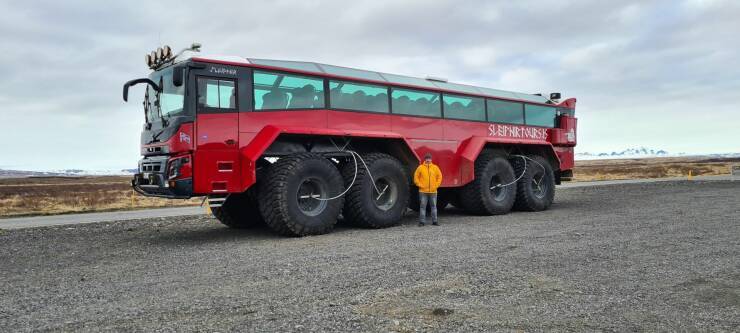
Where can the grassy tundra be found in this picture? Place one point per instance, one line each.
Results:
(57, 195)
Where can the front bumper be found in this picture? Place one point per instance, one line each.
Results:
(152, 181)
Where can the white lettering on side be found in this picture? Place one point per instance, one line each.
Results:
(519, 132)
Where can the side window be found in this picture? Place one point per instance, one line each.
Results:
(216, 94)
(505, 112)
(465, 108)
(416, 103)
(277, 91)
(356, 96)
(538, 115)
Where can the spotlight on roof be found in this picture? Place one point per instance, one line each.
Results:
(164, 54)
(167, 51)
(160, 54)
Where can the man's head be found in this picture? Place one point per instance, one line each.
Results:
(428, 158)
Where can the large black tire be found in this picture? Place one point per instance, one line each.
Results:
(362, 206)
(536, 188)
(479, 196)
(288, 195)
(240, 211)
(455, 200)
(442, 201)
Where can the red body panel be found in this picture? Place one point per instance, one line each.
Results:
(180, 143)
(217, 163)
(455, 150)
(226, 146)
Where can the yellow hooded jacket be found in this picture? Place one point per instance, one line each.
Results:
(428, 177)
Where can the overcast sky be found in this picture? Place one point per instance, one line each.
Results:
(660, 74)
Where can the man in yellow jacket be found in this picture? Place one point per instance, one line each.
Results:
(427, 177)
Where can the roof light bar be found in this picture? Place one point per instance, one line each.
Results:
(163, 55)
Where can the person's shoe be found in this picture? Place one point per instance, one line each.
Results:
(421, 224)
(435, 223)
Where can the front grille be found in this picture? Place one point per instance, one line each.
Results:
(153, 165)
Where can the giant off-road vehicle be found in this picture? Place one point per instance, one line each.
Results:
(295, 144)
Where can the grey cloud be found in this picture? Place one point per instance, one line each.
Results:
(63, 63)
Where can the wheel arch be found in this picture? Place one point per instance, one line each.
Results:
(273, 141)
(471, 149)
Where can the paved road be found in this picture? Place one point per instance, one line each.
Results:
(629, 257)
(647, 180)
(67, 219)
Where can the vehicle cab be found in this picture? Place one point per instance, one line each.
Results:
(184, 98)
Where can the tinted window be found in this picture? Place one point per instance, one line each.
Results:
(287, 91)
(415, 102)
(505, 112)
(216, 94)
(171, 98)
(355, 96)
(461, 107)
(538, 115)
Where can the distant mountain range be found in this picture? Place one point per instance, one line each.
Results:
(642, 152)
(64, 173)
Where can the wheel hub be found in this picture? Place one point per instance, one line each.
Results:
(385, 193)
(538, 184)
(497, 191)
(309, 193)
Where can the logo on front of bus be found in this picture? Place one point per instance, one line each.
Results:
(222, 71)
(519, 132)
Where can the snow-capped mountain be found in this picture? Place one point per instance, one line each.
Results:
(65, 173)
(640, 152)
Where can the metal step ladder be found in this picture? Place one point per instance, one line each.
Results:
(215, 202)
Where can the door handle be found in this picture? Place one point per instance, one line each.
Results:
(230, 142)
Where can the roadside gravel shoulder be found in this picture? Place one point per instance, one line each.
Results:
(663, 256)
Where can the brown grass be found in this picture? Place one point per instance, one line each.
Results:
(651, 168)
(57, 195)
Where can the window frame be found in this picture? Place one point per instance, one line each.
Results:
(389, 88)
(324, 85)
(208, 109)
(488, 119)
(330, 105)
(485, 108)
(554, 122)
(439, 94)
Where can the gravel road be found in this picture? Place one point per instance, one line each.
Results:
(657, 257)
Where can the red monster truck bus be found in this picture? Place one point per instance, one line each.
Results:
(295, 144)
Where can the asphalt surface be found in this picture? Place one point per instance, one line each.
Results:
(67, 219)
(651, 256)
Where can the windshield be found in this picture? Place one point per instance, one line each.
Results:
(167, 103)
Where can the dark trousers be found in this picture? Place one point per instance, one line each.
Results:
(430, 198)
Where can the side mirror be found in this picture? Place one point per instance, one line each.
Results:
(135, 82)
(177, 75)
(554, 96)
